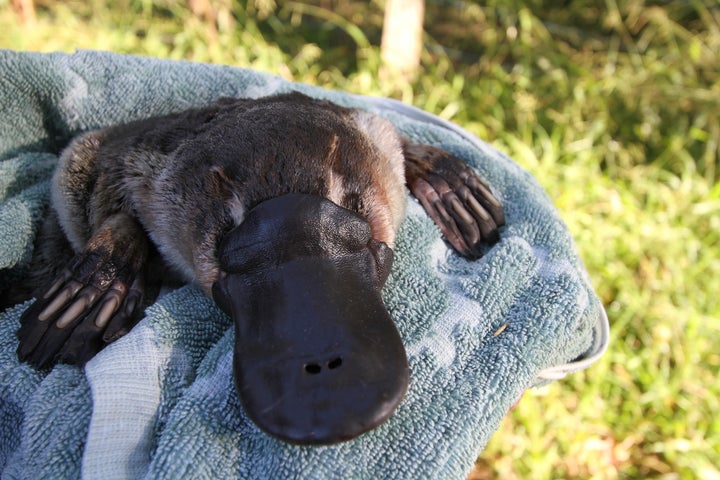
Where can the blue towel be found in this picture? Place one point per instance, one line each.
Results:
(160, 402)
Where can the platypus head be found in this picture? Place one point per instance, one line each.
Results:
(317, 357)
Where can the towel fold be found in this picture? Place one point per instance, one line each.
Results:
(160, 402)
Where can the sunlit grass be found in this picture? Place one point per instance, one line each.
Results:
(613, 105)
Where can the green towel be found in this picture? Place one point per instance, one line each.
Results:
(160, 402)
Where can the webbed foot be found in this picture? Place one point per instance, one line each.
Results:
(94, 301)
(454, 196)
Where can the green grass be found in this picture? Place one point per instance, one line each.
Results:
(613, 105)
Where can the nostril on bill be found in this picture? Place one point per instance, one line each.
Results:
(316, 368)
(334, 363)
(313, 368)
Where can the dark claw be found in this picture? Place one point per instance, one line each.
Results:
(469, 207)
(86, 307)
(465, 222)
(58, 301)
(128, 314)
(434, 207)
(84, 300)
(484, 195)
(483, 222)
(460, 202)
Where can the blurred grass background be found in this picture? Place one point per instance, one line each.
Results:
(613, 105)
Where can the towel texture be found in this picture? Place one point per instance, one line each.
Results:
(160, 402)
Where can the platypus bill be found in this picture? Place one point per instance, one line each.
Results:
(284, 210)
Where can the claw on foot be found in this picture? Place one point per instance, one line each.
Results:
(455, 197)
(93, 302)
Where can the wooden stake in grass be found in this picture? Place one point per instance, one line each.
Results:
(26, 10)
(402, 35)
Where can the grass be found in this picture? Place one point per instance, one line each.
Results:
(613, 105)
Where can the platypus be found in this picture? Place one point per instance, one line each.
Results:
(284, 210)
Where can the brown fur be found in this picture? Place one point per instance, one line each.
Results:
(186, 191)
(176, 185)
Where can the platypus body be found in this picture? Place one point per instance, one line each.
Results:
(282, 209)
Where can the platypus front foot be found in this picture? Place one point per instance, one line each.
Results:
(94, 301)
(455, 197)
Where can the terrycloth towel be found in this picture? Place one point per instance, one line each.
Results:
(160, 402)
